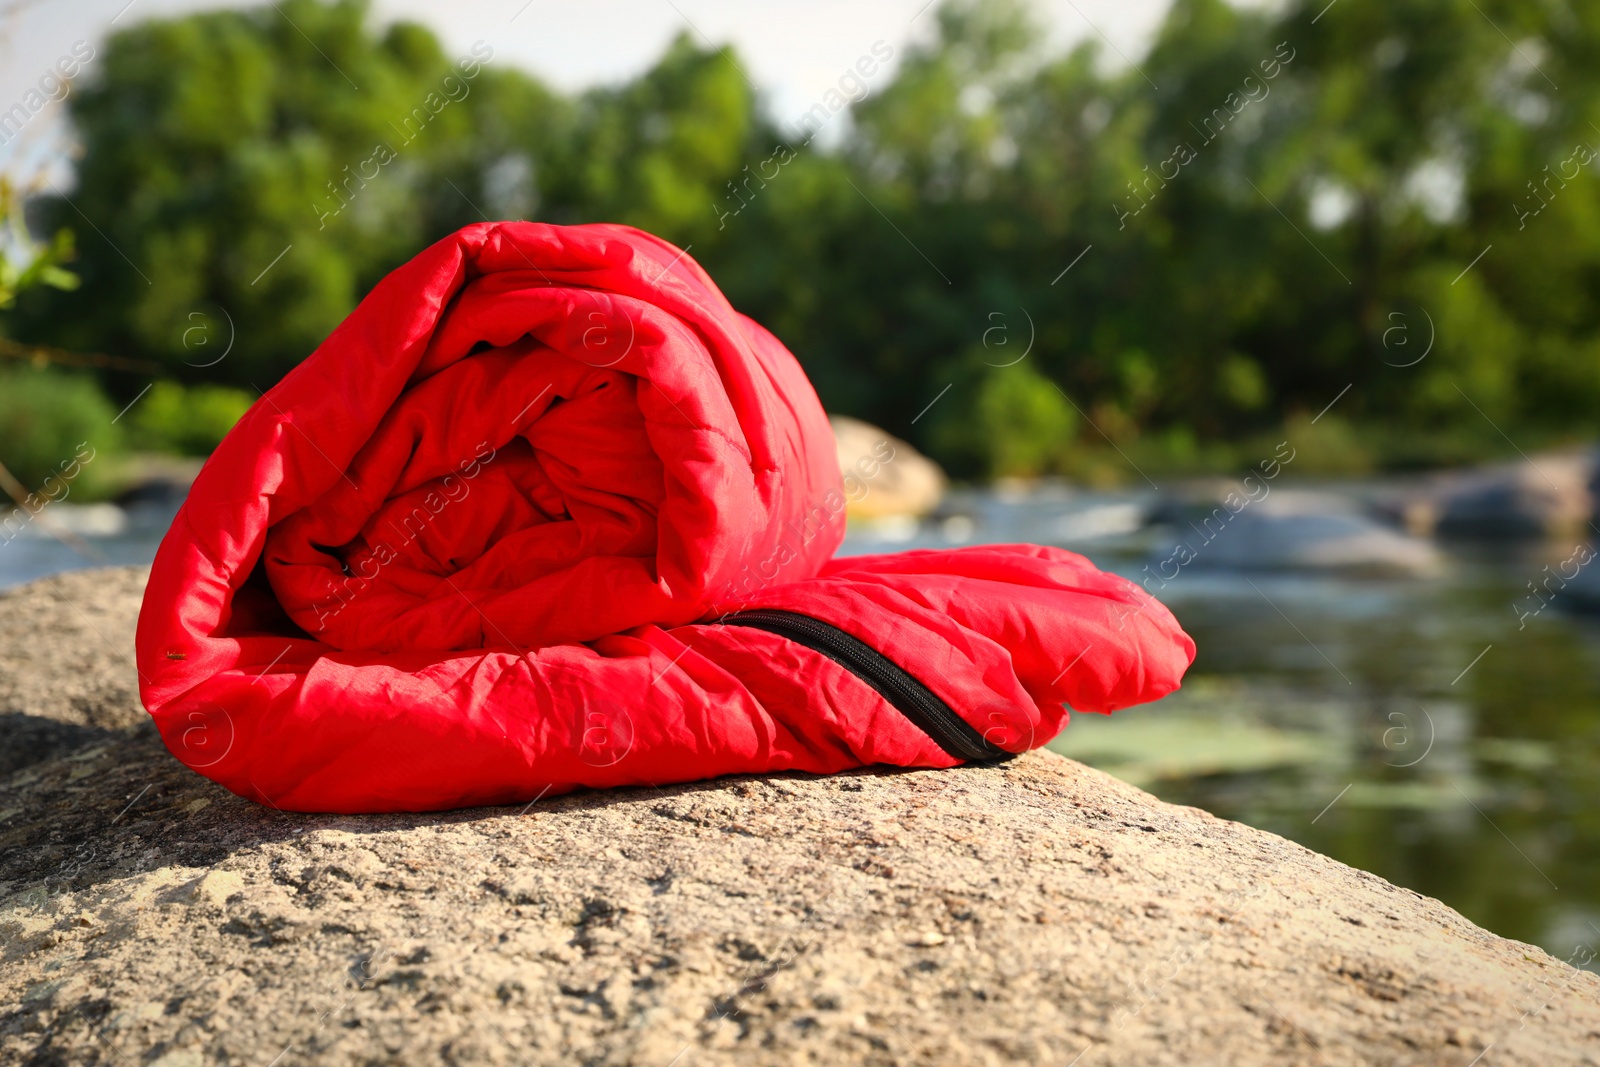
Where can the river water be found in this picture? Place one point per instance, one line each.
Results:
(1413, 727)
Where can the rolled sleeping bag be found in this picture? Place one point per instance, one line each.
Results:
(545, 512)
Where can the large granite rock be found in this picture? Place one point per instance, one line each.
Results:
(884, 477)
(1035, 912)
(1541, 497)
(67, 678)
(1288, 529)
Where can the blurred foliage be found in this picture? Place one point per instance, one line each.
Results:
(1020, 426)
(1207, 249)
(24, 262)
(187, 421)
(57, 432)
(46, 419)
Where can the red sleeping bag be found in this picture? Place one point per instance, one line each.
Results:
(546, 512)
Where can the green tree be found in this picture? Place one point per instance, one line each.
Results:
(662, 151)
(1202, 249)
(267, 167)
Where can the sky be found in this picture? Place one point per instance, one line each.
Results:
(793, 50)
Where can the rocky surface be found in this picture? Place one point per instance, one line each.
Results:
(1036, 912)
(1549, 495)
(1298, 530)
(884, 477)
(67, 678)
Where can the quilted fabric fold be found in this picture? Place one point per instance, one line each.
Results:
(516, 528)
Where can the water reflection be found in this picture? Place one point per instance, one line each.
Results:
(1408, 728)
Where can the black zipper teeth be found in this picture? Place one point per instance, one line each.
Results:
(913, 699)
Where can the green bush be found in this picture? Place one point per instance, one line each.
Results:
(57, 425)
(1025, 420)
(1328, 446)
(1004, 422)
(188, 421)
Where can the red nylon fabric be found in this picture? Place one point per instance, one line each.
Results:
(473, 551)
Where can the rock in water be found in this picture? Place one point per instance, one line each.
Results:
(884, 477)
(1547, 496)
(1291, 530)
(1032, 912)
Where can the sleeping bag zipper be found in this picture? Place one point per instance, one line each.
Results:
(910, 697)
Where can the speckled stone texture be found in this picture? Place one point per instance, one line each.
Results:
(1036, 912)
